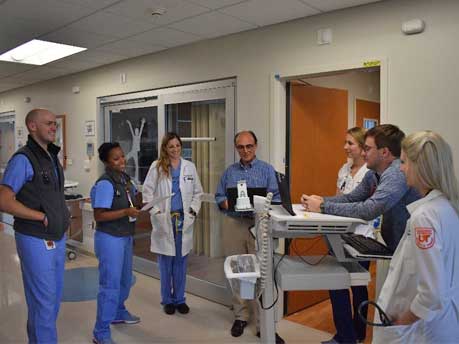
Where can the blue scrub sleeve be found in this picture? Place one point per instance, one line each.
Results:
(102, 195)
(18, 172)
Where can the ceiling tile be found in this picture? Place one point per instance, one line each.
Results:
(212, 24)
(73, 65)
(216, 4)
(331, 5)
(111, 25)
(141, 10)
(266, 12)
(10, 68)
(166, 37)
(39, 74)
(54, 12)
(94, 4)
(130, 48)
(79, 38)
(100, 57)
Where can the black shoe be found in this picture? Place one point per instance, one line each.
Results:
(169, 308)
(238, 328)
(183, 308)
(279, 339)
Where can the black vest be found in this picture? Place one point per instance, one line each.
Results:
(122, 226)
(45, 193)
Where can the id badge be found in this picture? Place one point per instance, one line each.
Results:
(50, 244)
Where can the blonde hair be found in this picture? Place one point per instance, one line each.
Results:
(358, 134)
(432, 162)
(163, 160)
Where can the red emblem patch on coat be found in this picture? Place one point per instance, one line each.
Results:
(425, 237)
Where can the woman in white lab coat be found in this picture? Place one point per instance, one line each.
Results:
(172, 218)
(349, 327)
(421, 293)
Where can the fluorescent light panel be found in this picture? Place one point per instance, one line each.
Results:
(37, 52)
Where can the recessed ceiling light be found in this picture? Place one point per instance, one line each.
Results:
(39, 52)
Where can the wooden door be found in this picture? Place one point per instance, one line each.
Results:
(366, 109)
(319, 118)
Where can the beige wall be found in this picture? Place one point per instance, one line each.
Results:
(422, 71)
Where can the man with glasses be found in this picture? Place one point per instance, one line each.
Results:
(32, 190)
(235, 235)
(383, 191)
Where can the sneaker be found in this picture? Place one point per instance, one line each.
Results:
(279, 339)
(238, 328)
(103, 341)
(127, 318)
(183, 308)
(169, 308)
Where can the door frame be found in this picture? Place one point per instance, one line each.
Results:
(279, 109)
(211, 90)
(278, 99)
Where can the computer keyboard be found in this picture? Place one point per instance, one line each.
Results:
(366, 246)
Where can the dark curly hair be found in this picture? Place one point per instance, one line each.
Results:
(105, 148)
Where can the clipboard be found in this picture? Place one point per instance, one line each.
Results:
(151, 204)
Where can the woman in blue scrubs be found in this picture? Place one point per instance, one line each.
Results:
(112, 200)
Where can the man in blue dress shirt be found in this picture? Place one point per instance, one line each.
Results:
(236, 236)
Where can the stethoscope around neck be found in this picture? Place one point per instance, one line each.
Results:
(385, 321)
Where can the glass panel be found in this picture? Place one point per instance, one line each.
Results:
(195, 120)
(137, 132)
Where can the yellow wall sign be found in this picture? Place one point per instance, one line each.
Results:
(372, 63)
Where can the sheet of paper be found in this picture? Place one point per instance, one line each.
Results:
(151, 204)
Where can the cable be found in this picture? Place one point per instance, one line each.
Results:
(275, 285)
(316, 240)
(385, 321)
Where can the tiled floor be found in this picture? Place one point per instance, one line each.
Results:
(207, 322)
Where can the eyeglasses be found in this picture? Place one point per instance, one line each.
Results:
(247, 147)
(368, 148)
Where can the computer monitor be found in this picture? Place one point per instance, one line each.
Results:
(232, 195)
(284, 191)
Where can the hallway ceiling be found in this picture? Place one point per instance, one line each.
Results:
(115, 30)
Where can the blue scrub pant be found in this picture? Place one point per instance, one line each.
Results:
(115, 277)
(349, 327)
(43, 278)
(172, 271)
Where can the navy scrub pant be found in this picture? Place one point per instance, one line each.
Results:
(115, 277)
(43, 278)
(349, 327)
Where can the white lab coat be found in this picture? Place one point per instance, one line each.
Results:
(162, 235)
(424, 276)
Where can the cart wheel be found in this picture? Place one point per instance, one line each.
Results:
(71, 255)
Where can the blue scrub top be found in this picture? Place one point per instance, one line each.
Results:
(176, 201)
(102, 194)
(18, 172)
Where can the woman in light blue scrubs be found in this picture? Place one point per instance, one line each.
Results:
(112, 198)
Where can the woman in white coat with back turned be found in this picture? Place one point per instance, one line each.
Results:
(421, 292)
(172, 219)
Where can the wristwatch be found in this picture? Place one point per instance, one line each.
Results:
(322, 207)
